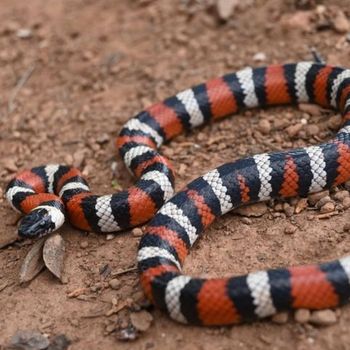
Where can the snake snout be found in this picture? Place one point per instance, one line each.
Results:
(35, 224)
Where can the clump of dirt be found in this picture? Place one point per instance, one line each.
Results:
(72, 72)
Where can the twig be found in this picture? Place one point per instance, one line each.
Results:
(122, 272)
(21, 82)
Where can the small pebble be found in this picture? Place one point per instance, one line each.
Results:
(280, 318)
(290, 229)
(24, 33)
(323, 317)
(327, 208)
(110, 236)
(334, 122)
(310, 109)
(114, 283)
(293, 130)
(288, 209)
(346, 227)
(346, 203)
(141, 320)
(312, 130)
(225, 8)
(264, 126)
(102, 139)
(313, 198)
(10, 165)
(341, 195)
(253, 210)
(246, 221)
(259, 57)
(324, 200)
(302, 315)
(341, 23)
(84, 244)
(137, 232)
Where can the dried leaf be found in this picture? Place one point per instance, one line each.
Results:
(53, 254)
(33, 262)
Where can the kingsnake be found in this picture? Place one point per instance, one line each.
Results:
(45, 193)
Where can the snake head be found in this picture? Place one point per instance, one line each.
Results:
(40, 222)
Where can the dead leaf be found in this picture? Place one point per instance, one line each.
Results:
(53, 255)
(33, 262)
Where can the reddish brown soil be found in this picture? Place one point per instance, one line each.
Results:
(97, 63)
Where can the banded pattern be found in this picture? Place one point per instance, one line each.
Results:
(180, 222)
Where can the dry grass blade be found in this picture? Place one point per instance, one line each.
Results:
(21, 82)
(33, 262)
(53, 254)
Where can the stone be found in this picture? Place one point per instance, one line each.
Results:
(341, 195)
(253, 210)
(346, 203)
(264, 126)
(327, 208)
(341, 23)
(290, 229)
(310, 109)
(346, 227)
(293, 130)
(102, 139)
(141, 320)
(323, 317)
(302, 315)
(137, 232)
(260, 57)
(115, 283)
(24, 33)
(10, 165)
(84, 244)
(313, 198)
(324, 200)
(225, 8)
(299, 20)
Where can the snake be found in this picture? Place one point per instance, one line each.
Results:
(50, 193)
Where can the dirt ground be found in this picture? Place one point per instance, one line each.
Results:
(73, 71)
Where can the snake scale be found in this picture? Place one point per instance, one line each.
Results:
(47, 194)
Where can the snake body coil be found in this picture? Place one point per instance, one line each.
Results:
(46, 194)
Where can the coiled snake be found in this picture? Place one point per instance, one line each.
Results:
(48, 193)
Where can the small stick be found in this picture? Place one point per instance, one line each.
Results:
(122, 272)
(317, 56)
(21, 82)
